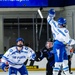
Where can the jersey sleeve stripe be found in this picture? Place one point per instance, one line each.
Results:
(61, 32)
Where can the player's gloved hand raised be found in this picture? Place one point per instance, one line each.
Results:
(52, 13)
(3, 66)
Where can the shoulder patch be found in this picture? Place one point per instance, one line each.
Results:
(10, 50)
(66, 31)
(26, 48)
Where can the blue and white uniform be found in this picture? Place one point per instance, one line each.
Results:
(61, 37)
(60, 34)
(17, 58)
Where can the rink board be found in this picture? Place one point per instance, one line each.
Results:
(41, 66)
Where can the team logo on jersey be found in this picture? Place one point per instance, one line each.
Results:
(11, 50)
(65, 31)
(26, 48)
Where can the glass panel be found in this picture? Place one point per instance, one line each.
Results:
(25, 28)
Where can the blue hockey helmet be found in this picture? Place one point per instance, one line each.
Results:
(20, 39)
(52, 11)
(61, 21)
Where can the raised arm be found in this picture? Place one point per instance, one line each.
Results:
(50, 18)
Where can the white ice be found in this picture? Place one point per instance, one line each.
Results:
(33, 73)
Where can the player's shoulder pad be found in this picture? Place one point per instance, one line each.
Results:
(26, 48)
(66, 30)
(12, 49)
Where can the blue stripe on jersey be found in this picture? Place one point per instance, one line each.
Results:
(14, 52)
(55, 31)
(54, 23)
(7, 60)
(49, 20)
(24, 51)
(61, 32)
(18, 52)
(11, 62)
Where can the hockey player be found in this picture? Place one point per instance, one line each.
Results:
(62, 38)
(16, 56)
(47, 52)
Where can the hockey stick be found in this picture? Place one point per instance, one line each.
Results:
(40, 13)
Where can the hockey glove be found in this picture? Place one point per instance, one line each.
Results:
(52, 13)
(3, 66)
(33, 56)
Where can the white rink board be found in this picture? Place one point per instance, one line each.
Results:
(73, 61)
(42, 64)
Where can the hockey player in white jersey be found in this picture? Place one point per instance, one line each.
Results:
(62, 38)
(16, 56)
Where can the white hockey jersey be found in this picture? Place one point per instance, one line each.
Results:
(15, 58)
(60, 34)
